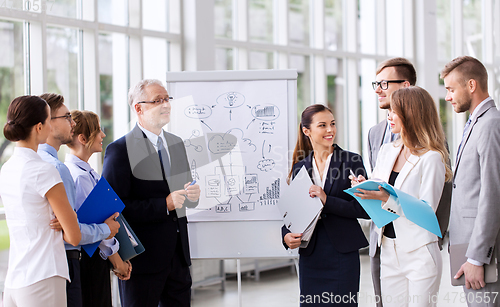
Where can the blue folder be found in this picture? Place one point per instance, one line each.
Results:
(415, 210)
(101, 203)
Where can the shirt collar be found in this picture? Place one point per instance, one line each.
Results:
(476, 110)
(49, 149)
(153, 138)
(26, 152)
(77, 161)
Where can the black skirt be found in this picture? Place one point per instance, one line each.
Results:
(327, 277)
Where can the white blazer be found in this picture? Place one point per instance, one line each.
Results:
(421, 176)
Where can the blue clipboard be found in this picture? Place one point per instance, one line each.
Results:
(101, 203)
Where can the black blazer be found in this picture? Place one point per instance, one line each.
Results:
(132, 168)
(341, 210)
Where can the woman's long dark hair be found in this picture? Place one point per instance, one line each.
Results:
(303, 147)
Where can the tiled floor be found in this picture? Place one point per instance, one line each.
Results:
(279, 288)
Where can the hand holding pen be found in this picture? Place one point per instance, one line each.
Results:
(192, 191)
(355, 180)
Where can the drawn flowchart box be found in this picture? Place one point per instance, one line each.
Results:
(212, 186)
(247, 206)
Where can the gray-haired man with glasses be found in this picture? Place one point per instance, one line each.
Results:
(148, 169)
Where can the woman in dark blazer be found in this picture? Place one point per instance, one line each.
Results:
(329, 266)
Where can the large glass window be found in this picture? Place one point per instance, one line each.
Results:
(473, 37)
(443, 19)
(155, 58)
(113, 12)
(260, 60)
(223, 18)
(260, 14)
(63, 8)
(11, 75)
(333, 24)
(298, 22)
(154, 15)
(335, 94)
(224, 59)
(106, 86)
(62, 64)
(303, 65)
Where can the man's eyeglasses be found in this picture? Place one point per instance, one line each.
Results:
(67, 116)
(158, 101)
(384, 84)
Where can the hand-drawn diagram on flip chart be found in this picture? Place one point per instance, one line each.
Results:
(236, 139)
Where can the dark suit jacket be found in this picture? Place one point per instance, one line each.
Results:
(341, 210)
(132, 168)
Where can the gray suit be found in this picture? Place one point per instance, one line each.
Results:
(475, 213)
(376, 137)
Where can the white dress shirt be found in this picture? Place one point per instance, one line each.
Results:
(36, 251)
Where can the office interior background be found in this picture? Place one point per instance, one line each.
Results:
(92, 51)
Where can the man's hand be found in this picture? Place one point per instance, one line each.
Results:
(193, 191)
(176, 199)
(474, 275)
(112, 224)
(293, 240)
(54, 224)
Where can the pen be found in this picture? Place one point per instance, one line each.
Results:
(194, 181)
(355, 178)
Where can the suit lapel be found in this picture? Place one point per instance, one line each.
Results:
(333, 170)
(407, 167)
(384, 172)
(490, 104)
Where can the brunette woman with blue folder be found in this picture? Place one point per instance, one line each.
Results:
(329, 265)
(87, 140)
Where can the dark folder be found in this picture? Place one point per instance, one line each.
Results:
(101, 203)
(457, 258)
(130, 246)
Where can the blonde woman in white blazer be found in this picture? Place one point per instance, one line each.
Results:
(410, 260)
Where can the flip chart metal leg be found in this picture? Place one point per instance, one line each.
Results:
(238, 269)
(296, 260)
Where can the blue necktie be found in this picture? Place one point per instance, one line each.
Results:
(164, 160)
(466, 128)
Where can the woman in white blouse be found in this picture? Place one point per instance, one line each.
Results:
(87, 140)
(33, 194)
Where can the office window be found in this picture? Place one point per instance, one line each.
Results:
(154, 15)
(106, 85)
(260, 16)
(224, 59)
(367, 29)
(473, 37)
(333, 24)
(63, 8)
(260, 60)
(303, 65)
(443, 19)
(298, 23)
(223, 18)
(114, 12)
(155, 58)
(335, 94)
(62, 64)
(11, 75)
